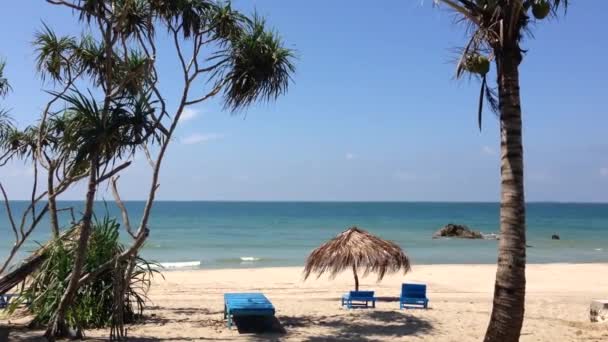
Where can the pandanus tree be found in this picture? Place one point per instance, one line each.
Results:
(497, 30)
(4, 85)
(97, 131)
(5, 123)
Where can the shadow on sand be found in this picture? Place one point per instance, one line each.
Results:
(373, 325)
(386, 324)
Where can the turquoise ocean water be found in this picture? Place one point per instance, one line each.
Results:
(262, 234)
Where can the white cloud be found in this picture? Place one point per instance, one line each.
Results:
(404, 176)
(604, 171)
(198, 138)
(350, 156)
(487, 150)
(189, 114)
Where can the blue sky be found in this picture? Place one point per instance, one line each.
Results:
(374, 113)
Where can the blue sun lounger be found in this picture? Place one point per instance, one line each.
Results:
(359, 299)
(246, 304)
(413, 296)
(5, 300)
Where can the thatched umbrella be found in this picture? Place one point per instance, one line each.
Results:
(357, 249)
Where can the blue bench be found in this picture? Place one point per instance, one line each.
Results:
(246, 304)
(5, 300)
(413, 296)
(359, 299)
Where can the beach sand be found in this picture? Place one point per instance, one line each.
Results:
(187, 305)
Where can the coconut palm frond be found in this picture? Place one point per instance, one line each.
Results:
(53, 53)
(257, 66)
(357, 248)
(492, 23)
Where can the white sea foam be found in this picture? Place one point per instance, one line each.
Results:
(599, 249)
(249, 258)
(183, 264)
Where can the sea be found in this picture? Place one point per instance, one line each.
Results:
(270, 234)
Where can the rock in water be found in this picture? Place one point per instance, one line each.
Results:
(458, 231)
(554, 237)
(598, 311)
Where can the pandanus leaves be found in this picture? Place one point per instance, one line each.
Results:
(257, 66)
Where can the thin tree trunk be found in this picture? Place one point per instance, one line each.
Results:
(52, 202)
(509, 289)
(57, 326)
(356, 278)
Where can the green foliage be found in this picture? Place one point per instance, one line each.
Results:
(4, 85)
(92, 132)
(225, 23)
(134, 17)
(257, 66)
(54, 53)
(189, 15)
(93, 306)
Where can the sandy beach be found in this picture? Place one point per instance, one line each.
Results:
(187, 305)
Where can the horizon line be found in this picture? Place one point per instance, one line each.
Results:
(320, 201)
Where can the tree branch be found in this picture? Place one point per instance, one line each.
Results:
(65, 3)
(9, 213)
(121, 205)
(113, 172)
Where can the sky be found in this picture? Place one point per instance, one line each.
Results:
(374, 112)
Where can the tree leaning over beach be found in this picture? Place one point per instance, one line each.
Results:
(497, 28)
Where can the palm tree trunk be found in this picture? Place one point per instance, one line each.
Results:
(509, 289)
(356, 278)
(57, 326)
(52, 202)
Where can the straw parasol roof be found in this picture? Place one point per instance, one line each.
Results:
(357, 249)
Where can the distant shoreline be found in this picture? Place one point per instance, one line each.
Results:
(227, 269)
(319, 201)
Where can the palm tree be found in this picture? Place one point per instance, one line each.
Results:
(497, 29)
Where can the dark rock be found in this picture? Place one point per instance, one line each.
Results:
(457, 231)
(554, 237)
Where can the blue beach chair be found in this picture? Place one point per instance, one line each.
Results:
(5, 300)
(413, 296)
(359, 299)
(246, 304)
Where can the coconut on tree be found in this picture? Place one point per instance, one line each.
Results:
(498, 28)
